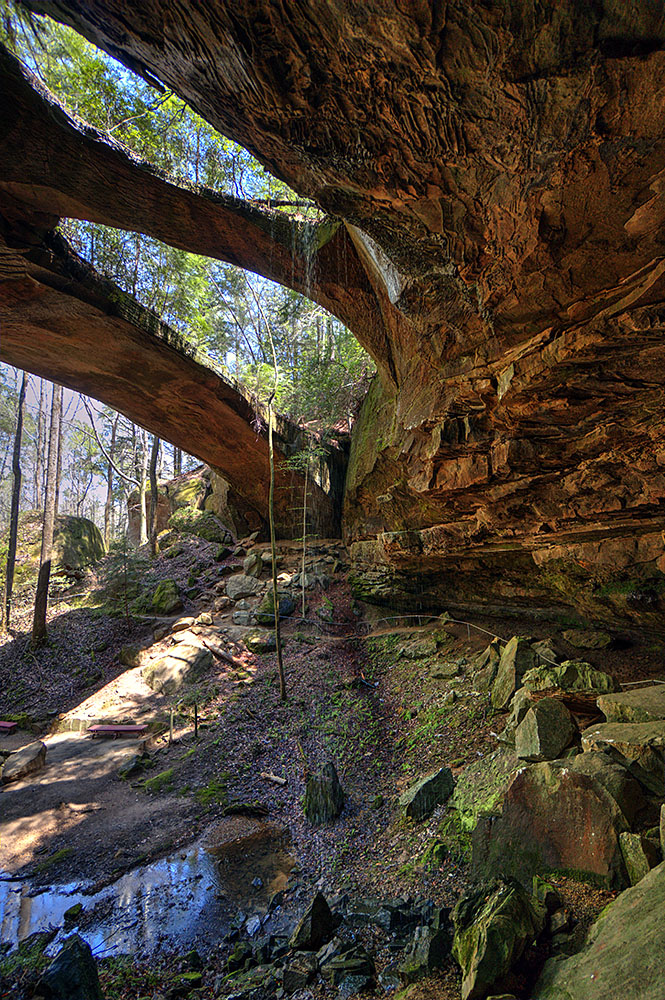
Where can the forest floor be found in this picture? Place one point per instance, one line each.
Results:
(365, 692)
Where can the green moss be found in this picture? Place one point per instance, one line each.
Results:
(27, 960)
(166, 598)
(452, 836)
(54, 859)
(161, 782)
(214, 793)
(202, 523)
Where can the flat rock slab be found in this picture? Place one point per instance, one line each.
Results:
(645, 704)
(623, 955)
(641, 744)
(587, 638)
(24, 762)
(181, 664)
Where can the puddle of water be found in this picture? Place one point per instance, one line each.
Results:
(183, 901)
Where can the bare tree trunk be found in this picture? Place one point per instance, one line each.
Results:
(41, 597)
(273, 550)
(108, 506)
(58, 468)
(177, 461)
(141, 467)
(13, 517)
(153, 495)
(37, 480)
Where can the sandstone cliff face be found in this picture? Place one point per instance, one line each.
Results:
(500, 172)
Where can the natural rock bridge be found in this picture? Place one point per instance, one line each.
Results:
(493, 176)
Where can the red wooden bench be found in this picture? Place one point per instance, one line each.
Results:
(117, 730)
(7, 727)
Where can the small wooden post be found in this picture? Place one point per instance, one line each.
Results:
(171, 727)
(196, 721)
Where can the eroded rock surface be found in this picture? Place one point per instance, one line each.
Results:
(623, 952)
(497, 174)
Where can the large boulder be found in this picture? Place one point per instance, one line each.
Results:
(265, 613)
(493, 926)
(166, 598)
(316, 926)
(23, 762)
(433, 790)
(480, 788)
(572, 676)
(638, 745)
(202, 523)
(545, 731)
(77, 544)
(561, 815)
(240, 586)
(183, 663)
(623, 954)
(72, 975)
(516, 659)
(640, 705)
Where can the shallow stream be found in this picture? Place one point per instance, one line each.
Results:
(190, 899)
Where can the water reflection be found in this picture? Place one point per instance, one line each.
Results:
(186, 900)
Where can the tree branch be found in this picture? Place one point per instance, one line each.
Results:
(88, 410)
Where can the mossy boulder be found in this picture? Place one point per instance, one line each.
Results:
(481, 786)
(265, 613)
(77, 544)
(493, 926)
(260, 642)
(72, 975)
(640, 855)
(587, 638)
(187, 490)
(166, 598)
(571, 676)
(202, 523)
